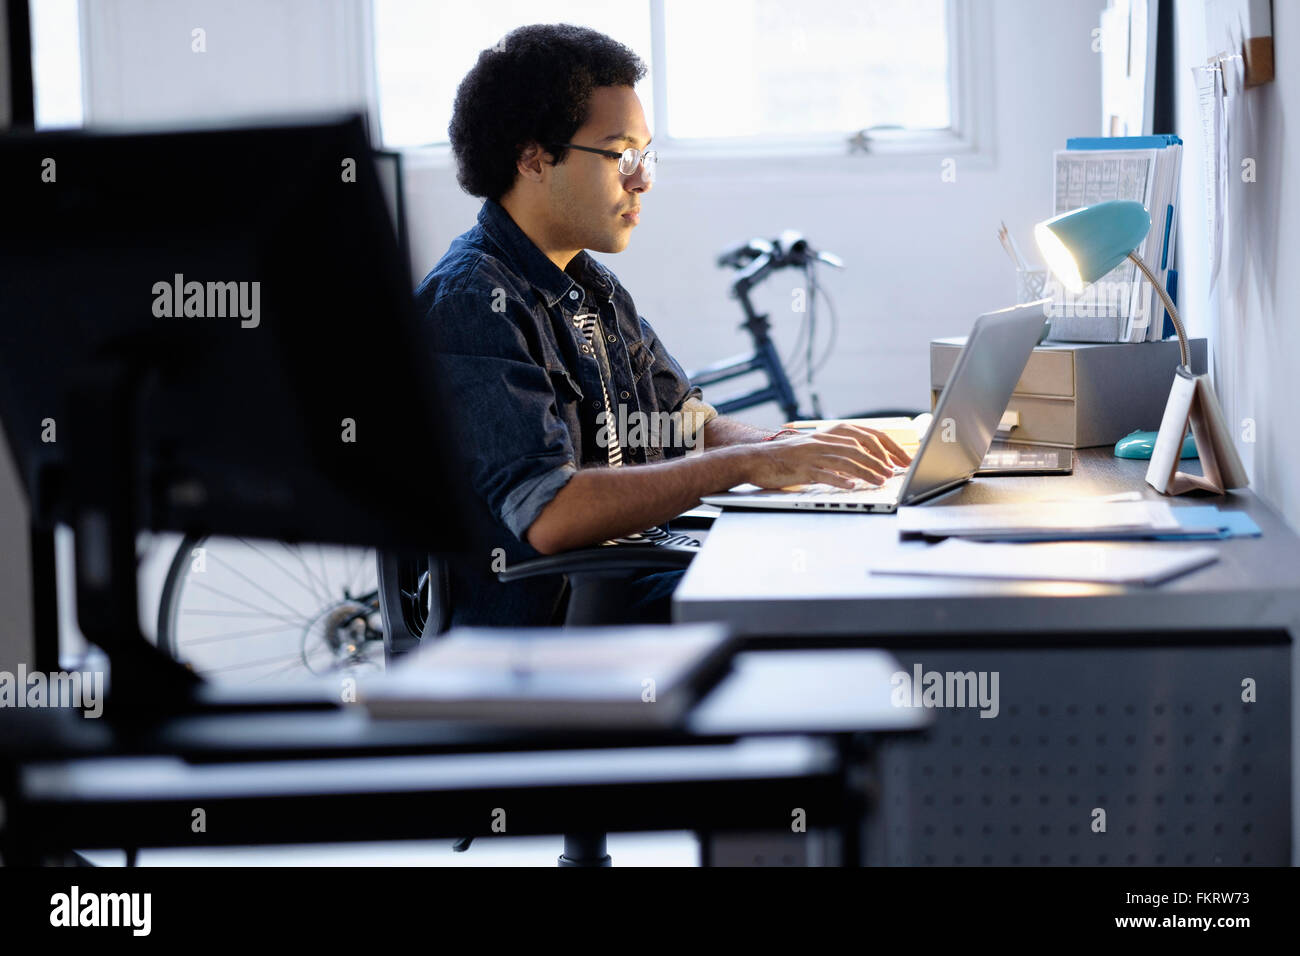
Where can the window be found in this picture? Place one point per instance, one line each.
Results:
(423, 50)
(771, 68)
(56, 63)
(723, 73)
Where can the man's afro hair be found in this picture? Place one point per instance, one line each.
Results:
(533, 86)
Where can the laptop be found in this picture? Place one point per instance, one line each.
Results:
(965, 423)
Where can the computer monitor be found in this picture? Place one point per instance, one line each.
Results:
(17, 99)
(388, 164)
(213, 331)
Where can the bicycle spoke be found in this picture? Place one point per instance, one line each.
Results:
(369, 571)
(295, 657)
(354, 585)
(324, 567)
(263, 596)
(210, 613)
(246, 579)
(214, 638)
(303, 619)
(348, 571)
(292, 665)
(297, 553)
(305, 585)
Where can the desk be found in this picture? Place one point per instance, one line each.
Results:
(779, 731)
(1122, 698)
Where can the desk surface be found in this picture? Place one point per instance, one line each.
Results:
(763, 694)
(781, 574)
(754, 747)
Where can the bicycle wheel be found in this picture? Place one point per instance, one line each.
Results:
(237, 610)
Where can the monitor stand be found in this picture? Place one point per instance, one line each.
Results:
(144, 681)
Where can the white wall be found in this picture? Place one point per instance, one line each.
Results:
(1250, 315)
(1251, 312)
(262, 57)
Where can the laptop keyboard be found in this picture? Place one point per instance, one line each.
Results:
(890, 485)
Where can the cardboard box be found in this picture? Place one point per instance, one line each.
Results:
(1082, 394)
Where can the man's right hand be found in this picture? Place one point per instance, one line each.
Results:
(598, 503)
(825, 457)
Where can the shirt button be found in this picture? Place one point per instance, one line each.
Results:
(623, 395)
(573, 294)
(586, 349)
(610, 338)
(596, 405)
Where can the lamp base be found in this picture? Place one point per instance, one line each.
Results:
(1192, 400)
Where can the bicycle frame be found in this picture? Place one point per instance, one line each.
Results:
(764, 358)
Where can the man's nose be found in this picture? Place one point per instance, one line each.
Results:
(639, 181)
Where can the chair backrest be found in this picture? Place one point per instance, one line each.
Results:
(412, 600)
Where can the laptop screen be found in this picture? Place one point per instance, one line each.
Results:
(975, 396)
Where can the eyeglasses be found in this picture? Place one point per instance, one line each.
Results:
(628, 160)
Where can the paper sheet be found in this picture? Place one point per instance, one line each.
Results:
(1036, 516)
(1058, 561)
(1210, 92)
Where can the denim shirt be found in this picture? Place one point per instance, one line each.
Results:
(524, 390)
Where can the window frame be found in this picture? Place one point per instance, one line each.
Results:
(968, 133)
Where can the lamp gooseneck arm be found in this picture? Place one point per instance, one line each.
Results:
(1169, 305)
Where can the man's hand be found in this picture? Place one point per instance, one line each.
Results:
(836, 457)
(599, 503)
(874, 440)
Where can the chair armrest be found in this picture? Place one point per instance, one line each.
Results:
(610, 559)
(700, 517)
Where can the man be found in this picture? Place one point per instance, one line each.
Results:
(543, 355)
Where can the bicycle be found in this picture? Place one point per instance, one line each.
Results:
(309, 609)
(755, 261)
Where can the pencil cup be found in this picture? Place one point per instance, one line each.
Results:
(1030, 284)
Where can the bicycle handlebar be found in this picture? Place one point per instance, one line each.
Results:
(742, 255)
(788, 249)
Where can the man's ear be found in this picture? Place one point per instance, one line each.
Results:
(530, 162)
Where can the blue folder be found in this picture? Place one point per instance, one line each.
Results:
(1231, 524)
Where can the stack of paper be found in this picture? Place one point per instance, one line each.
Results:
(571, 677)
(1049, 521)
(1121, 306)
(1102, 564)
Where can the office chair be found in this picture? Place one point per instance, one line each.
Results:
(413, 601)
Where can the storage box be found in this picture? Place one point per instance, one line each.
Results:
(1081, 394)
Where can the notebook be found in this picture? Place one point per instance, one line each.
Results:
(1058, 561)
(586, 677)
(1052, 521)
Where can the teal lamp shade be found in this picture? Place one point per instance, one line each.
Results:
(1083, 245)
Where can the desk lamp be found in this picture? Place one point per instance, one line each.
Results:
(1083, 245)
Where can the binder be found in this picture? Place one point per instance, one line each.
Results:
(1163, 153)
